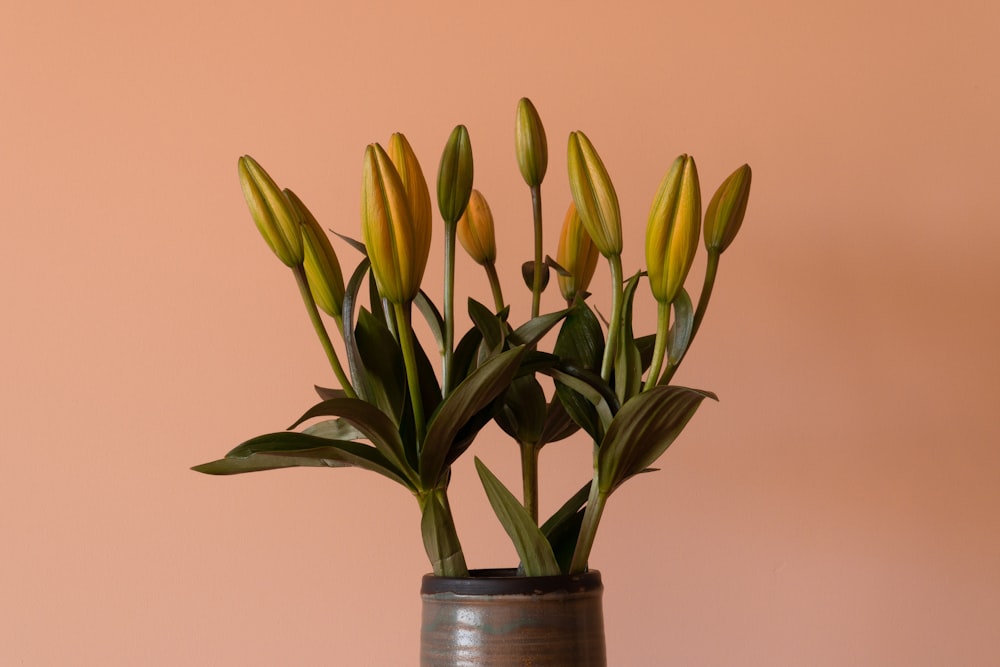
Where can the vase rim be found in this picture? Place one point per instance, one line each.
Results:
(505, 581)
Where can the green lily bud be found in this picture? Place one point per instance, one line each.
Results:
(594, 195)
(577, 254)
(529, 142)
(725, 212)
(271, 211)
(454, 185)
(419, 198)
(387, 229)
(475, 230)
(672, 232)
(326, 281)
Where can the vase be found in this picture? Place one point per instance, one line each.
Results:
(494, 618)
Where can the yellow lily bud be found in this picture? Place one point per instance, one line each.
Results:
(475, 230)
(529, 141)
(454, 185)
(577, 254)
(326, 281)
(725, 212)
(672, 233)
(594, 195)
(387, 229)
(419, 198)
(271, 211)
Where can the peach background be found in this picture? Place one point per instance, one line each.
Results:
(839, 506)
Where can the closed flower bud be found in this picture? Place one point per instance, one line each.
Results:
(387, 229)
(725, 212)
(271, 211)
(326, 281)
(672, 233)
(577, 254)
(419, 198)
(529, 140)
(454, 184)
(594, 195)
(475, 230)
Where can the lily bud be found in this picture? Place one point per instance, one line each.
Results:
(454, 184)
(725, 212)
(419, 198)
(326, 281)
(529, 142)
(594, 195)
(577, 254)
(271, 211)
(387, 229)
(475, 230)
(672, 233)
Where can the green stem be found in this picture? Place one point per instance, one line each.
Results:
(437, 525)
(660, 345)
(610, 350)
(491, 273)
(588, 531)
(450, 230)
(711, 271)
(410, 361)
(536, 286)
(529, 476)
(324, 337)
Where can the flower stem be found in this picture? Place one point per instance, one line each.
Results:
(529, 476)
(410, 361)
(324, 337)
(491, 273)
(536, 286)
(711, 271)
(610, 350)
(660, 345)
(449, 306)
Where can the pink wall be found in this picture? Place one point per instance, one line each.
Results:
(837, 507)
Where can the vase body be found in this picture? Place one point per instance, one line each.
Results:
(496, 619)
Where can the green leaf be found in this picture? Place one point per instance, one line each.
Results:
(474, 393)
(534, 329)
(587, 399)
(325, 392)
(642, 430)
(357, 245)
(334, 429)
(437, 528)
(628, 364)
(354, 361)
(433, 318)
(383, 361)
(522, 416)
(558, 424)
(580, 343)
(300, 449)
(490, 325)
(464, 358)
(563, 528)
(679, 336)
(367, 418)
(533, 548)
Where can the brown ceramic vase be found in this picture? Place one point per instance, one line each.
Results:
(496, 619)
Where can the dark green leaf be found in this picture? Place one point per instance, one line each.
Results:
(433, 318)
(534, 329)
(563, 528)
(474, 393)
(357, 245)
(680, 333)
(358, 374)
(558, 424)
(463, 360)
(589, 407)
(383, 361)
(305, 450)
(437, 527)
(368, 419)
(534, 550)
(528, 274)
(643, 429)
(523, 413)
(628, 365)
(490, 326)
(334, 429)
(326, 393)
